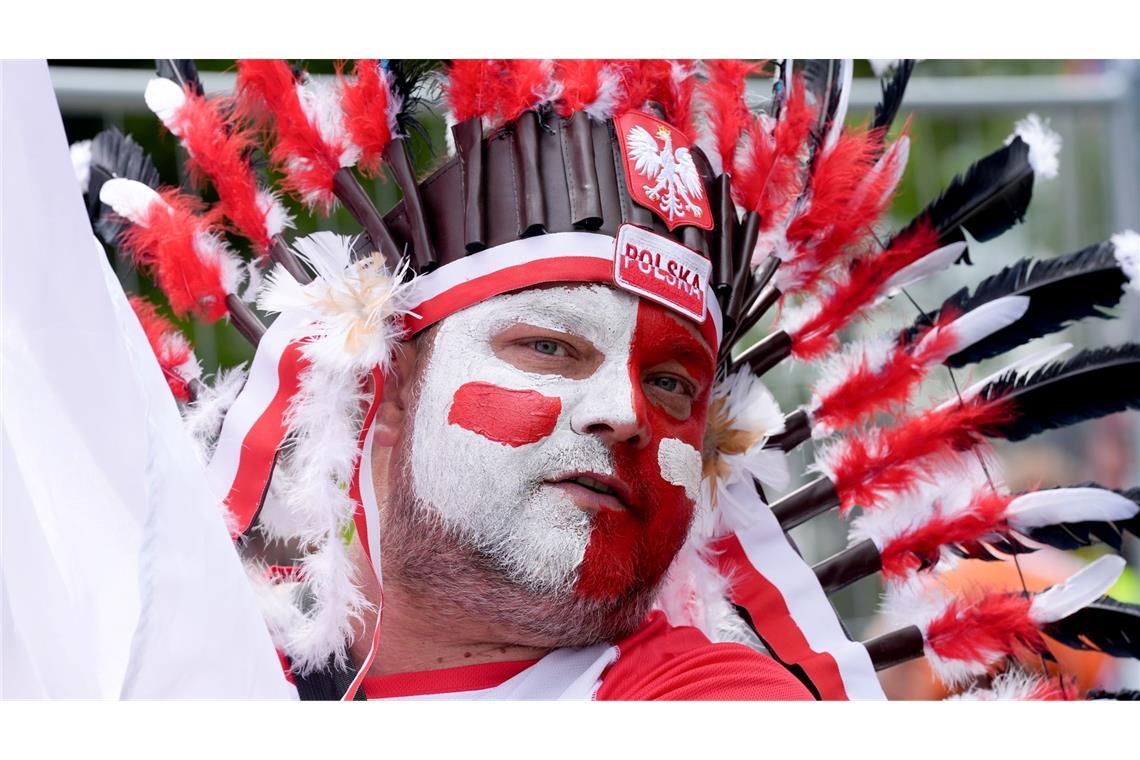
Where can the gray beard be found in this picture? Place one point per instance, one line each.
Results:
(445, 571)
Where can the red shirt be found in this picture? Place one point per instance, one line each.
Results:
(657, 662)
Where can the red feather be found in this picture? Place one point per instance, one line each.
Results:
(471, 88)
(858, 288)
(524, 84)
(885, 461)
(166, 247)
(983, 630)
(768, 176)
(218, 145)
(170, 348)
(723, 96)
(367, 103)
(268, 92)
(579, 80)
(868, 389)
(674, 91)
(639, 82)
(922, 546)
(846, 199)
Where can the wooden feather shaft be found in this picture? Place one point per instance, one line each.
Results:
(280, 253)
(244, 319)
(400, 163)
(766, 353)
(852, 564)
(806, 502)
(349, 191)
(797, 429)
(896, 647)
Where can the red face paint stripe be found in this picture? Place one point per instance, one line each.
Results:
(773, 620)
(513, 417)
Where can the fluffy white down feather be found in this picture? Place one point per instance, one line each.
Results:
(203, 416)
(1012, 685)
(609, 85)
(351, 304)
(1044, 145)
(1127, 254)
(320, 100)
(871, 353)
(277, 219)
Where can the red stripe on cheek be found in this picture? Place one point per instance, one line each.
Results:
(513, 417)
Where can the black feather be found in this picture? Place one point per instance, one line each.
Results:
(1106, 626)
(992, 196)
(893, 90)
(1092, 384)
(1061, 291)
(114, 154)
(416, 83)
(823, 79)
(1068, 536)
(181, 71)
(1124, 695)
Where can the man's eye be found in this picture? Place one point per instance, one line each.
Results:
(549, 347)
(670, 384)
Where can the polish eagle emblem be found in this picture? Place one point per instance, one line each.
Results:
(662, 174)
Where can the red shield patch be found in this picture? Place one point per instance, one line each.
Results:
(660, 172)
(661, 270)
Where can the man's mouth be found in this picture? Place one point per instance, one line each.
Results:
(593, 492)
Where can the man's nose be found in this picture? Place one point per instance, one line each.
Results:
(609, 410)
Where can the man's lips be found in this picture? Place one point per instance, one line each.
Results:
(594, 492)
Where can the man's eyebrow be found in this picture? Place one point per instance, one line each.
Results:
(693, 345)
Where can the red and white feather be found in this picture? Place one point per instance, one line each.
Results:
(174, 353)
(967, 635)
(184, 252)
(878, 375)
(217, 145)
(311, 144)
(371, 107)
(1016, 685)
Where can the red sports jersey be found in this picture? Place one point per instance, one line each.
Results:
(658, 661)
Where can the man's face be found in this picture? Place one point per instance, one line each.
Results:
(557, 433)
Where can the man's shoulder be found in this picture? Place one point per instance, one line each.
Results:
(660, 661)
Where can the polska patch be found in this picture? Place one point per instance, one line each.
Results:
(661, 270)
(660, 172)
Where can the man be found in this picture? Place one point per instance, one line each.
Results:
(539, 459)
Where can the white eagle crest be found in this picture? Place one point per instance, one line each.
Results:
(677, 180)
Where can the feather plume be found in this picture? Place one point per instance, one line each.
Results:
(1044, 145)
(878, 381)
(524, 85)
(310, 145)
(1073, 531)
(723, 96)
(203, 416)
(1017, 685)
(846, 197)
(813, 331)
(173, 351)
(183, 251)
(218, 147)
(968, 634)
(580, 84)
(371, 109)
(867, 467)
(181, 71)
(1092, 384)
(1083, 588)
(1061, 291)
(987, 200)
(1126, 249)
(767, 171)
(1105, 625)
(743, 414)
(114, 154)
(471, 88)
(891, 101)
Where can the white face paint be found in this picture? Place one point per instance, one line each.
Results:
(493, 494)
(680, 465)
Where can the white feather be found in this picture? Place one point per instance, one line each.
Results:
(868, 354)
(749, 404)
(277, 218)
(1089, 584)
(1044, 145)
(320, 100)
(81, 162)
(609, 88)
(981, 322)
(203, 416)
(1066, 505)
(892, 162)
(1127, 245)
(213, 249)
(841, 109)
(932, 263)
(129, 199)
(1013, 685)
(163, 97)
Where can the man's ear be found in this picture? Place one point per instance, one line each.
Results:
(391, 414)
